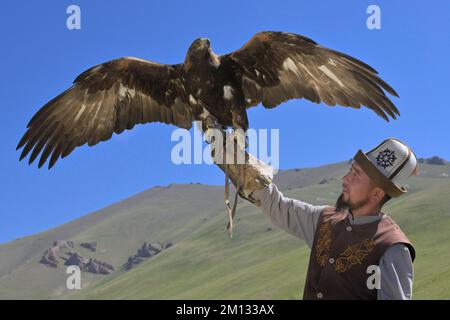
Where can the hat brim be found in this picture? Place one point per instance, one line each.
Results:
(377, 177)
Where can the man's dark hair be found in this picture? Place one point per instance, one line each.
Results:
(385, 199)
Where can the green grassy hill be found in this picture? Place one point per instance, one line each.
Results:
(259, 262)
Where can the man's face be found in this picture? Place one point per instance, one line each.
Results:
(356, 189)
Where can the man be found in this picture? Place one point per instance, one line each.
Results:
(353, 242)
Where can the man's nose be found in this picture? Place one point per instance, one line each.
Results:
(345, 178)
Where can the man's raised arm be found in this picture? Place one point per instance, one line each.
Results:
(294, 216)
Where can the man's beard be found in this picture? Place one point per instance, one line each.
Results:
(342, 204)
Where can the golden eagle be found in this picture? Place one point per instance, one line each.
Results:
(271, 68)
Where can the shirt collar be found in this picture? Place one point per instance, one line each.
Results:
(364, 219)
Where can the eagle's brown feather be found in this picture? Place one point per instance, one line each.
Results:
(277, 66)
(103, 100)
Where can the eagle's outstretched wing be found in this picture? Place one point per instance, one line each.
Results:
(277, 66)
(107, 98)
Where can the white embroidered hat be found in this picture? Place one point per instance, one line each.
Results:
(389, 165)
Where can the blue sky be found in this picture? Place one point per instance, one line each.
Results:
(41, 57)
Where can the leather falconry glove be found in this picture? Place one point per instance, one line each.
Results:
(245, 171)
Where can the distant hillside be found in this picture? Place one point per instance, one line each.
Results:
(170, 243)
(433, 160)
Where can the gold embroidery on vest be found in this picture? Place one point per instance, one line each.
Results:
(354, 254)
(323, 244)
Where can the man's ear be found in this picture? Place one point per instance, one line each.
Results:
(378, 194)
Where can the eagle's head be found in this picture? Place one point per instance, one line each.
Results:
(200, 45)
(200, 52)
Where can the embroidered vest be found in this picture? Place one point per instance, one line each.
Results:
(342, 253)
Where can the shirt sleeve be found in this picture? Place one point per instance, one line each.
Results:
(296, 217)
(396, 274)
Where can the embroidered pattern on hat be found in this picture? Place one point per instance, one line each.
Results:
(386, 158)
